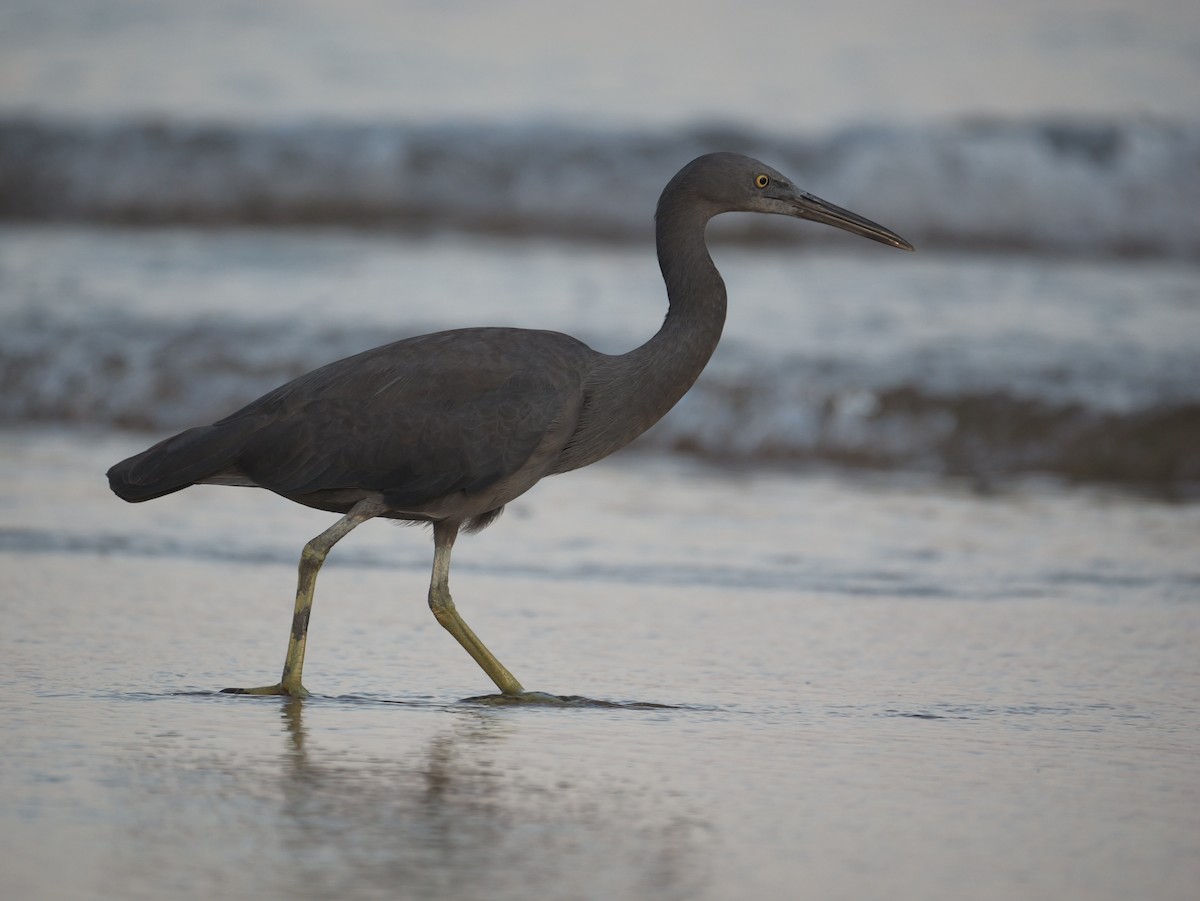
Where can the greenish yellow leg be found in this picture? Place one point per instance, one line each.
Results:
(311, 558)
(442, 606)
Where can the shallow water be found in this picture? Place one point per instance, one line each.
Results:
(887, 684)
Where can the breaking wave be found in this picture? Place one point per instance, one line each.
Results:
(1128, 187)
(748, 408)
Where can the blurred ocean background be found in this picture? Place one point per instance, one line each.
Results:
(199, 201)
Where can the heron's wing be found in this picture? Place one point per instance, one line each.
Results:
(418, 419)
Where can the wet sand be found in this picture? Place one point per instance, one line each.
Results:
(868, 687)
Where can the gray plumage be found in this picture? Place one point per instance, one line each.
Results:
(449, 427)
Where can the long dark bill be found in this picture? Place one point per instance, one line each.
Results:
(809, 207)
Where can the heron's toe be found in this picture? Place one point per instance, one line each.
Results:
(525, 697)
(279, 689)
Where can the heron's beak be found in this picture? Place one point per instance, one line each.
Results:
(806, 206)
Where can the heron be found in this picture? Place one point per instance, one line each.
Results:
(448, 428)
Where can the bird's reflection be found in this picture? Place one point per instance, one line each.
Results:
(451, 821)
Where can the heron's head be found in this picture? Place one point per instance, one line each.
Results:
(730, 182)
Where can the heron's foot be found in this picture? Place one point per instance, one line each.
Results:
(292, 691)
(525, 697)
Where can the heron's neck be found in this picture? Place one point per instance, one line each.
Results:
(675, 356)
(627, 394)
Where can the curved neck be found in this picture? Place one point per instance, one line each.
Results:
(696, 296)
(627, 394)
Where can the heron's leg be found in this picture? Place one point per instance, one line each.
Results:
(442, 606)
(311, 558)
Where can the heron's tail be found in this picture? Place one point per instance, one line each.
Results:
(175, 463)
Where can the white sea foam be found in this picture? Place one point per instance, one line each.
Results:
(1046, 186)
(1079, 417)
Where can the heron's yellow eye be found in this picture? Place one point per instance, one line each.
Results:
(761, 181)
